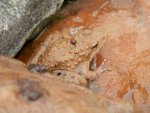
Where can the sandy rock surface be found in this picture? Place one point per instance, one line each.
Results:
(127, 24)
(26, 92)
(23, 91)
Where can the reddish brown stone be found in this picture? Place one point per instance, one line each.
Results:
(26, 92)
(127, 24)
(128, 54)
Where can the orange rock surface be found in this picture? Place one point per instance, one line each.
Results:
(127, 23)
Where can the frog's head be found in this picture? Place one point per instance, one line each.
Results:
(99, 44)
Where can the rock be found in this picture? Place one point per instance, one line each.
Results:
(23, 20)
(11, 65)
(32, 93)
(28, 91)
(127, 50)
(117, 105)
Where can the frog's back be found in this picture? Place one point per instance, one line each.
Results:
(67, 54)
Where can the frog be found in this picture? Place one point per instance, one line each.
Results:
(72, 53)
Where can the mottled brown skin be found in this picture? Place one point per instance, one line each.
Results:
(72, 51)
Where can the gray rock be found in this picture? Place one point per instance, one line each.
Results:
(21, 20)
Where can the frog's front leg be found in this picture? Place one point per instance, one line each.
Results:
(92, 75)
(86, 73)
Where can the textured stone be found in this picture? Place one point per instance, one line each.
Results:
(127, 24)
(21, 20)
(26, 92)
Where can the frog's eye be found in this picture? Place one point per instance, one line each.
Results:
(59, 73)
(95, 46)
